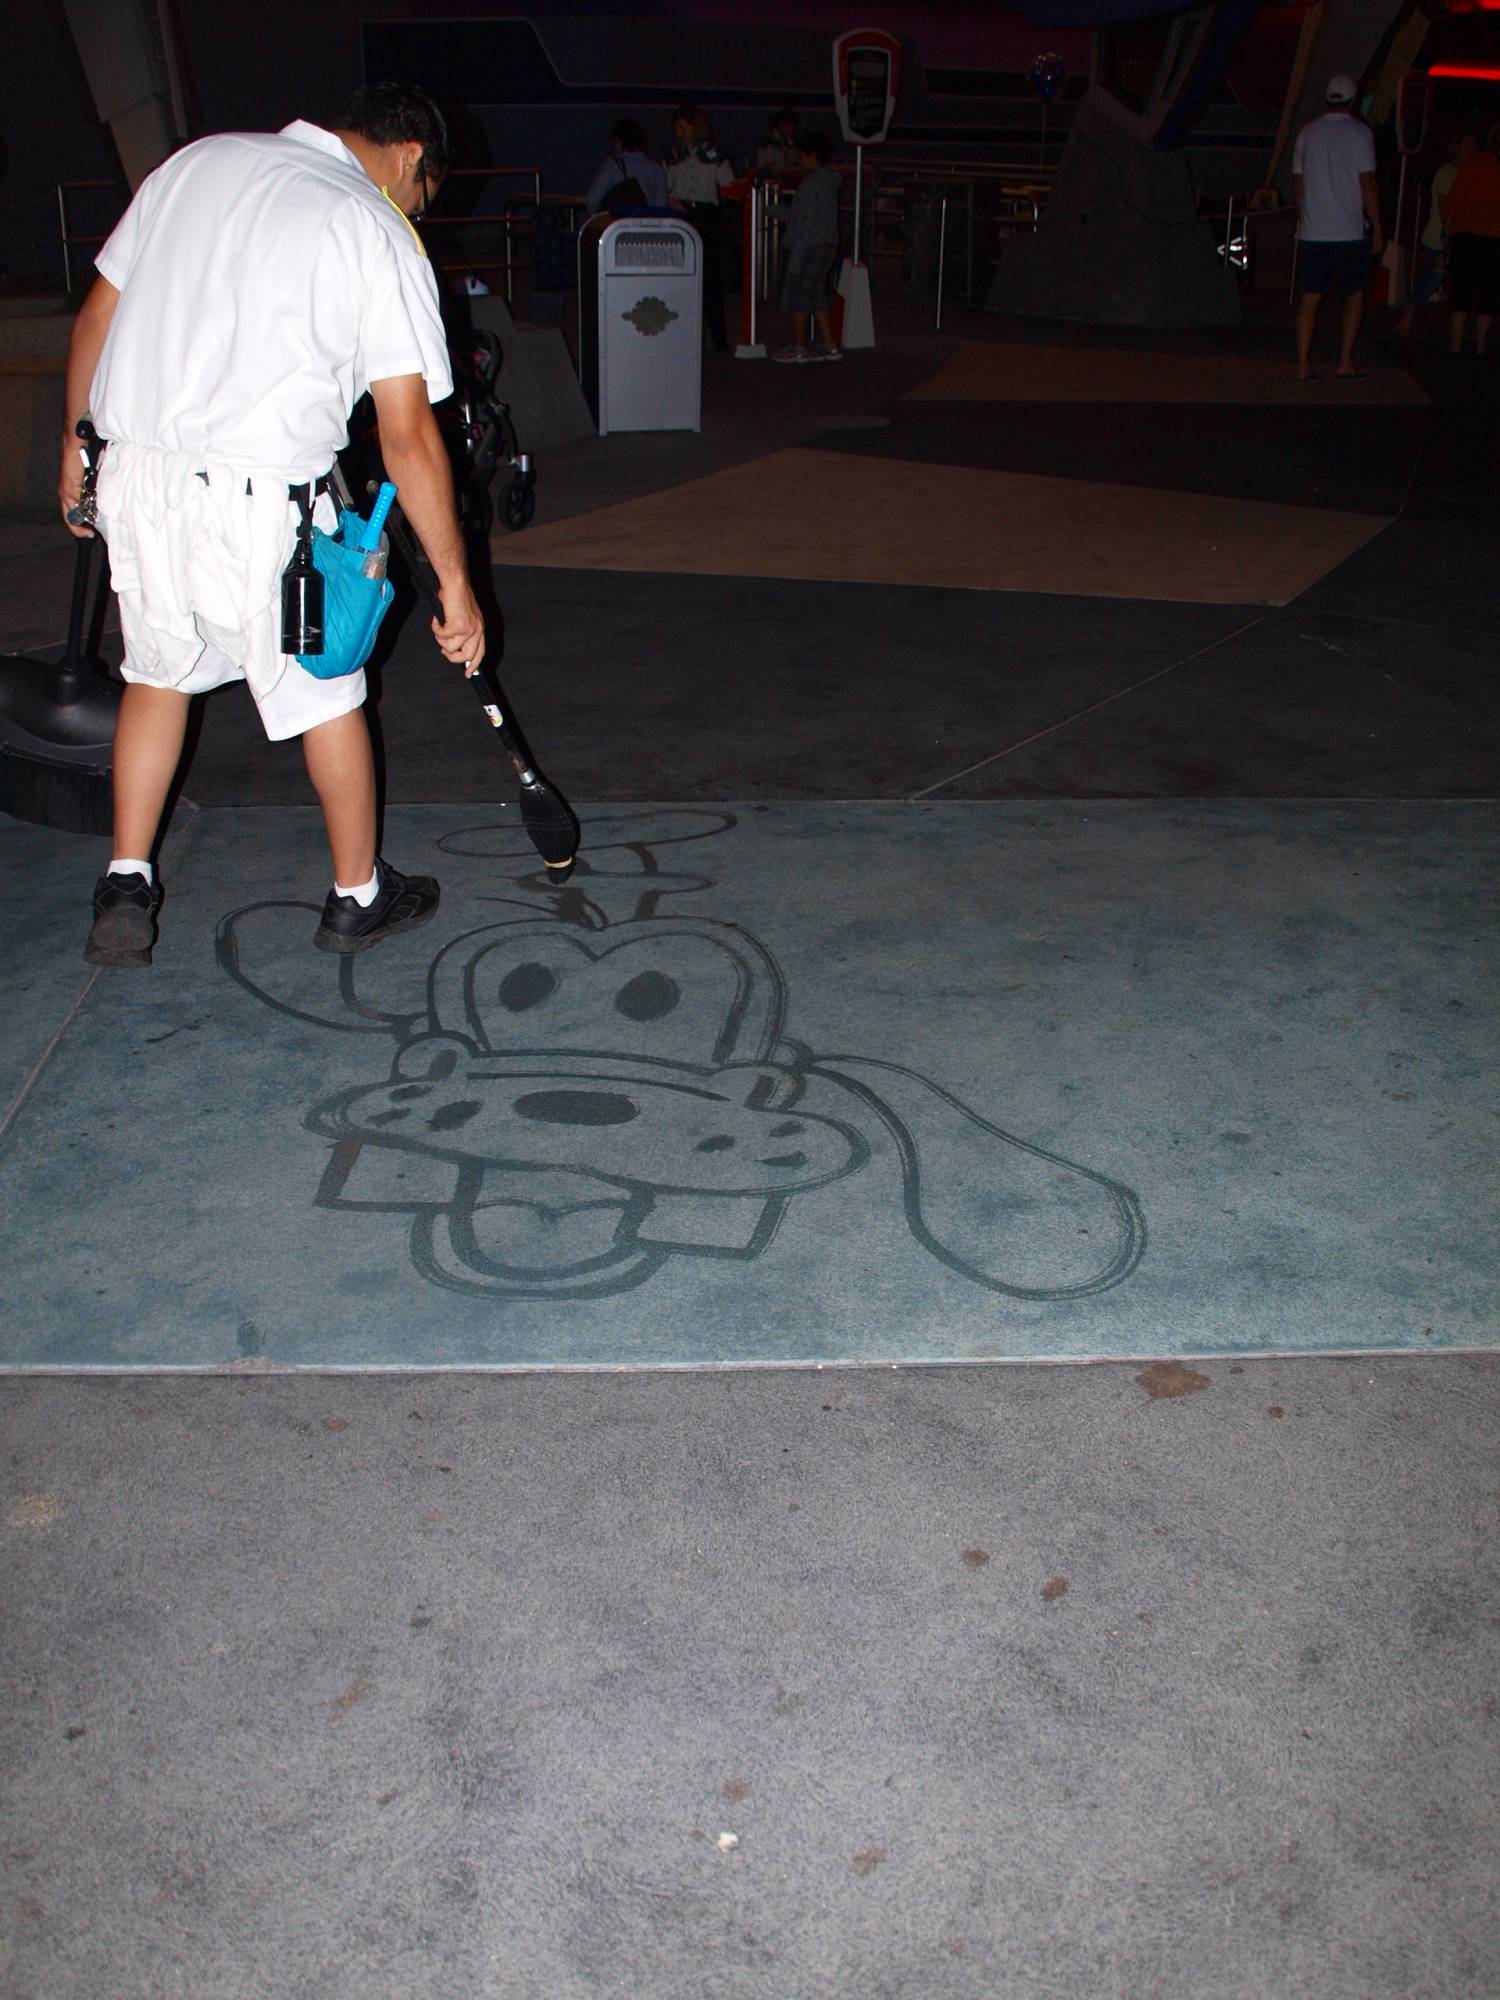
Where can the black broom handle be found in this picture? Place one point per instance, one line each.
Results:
(74, 666)
(73, 660)
(485, 681)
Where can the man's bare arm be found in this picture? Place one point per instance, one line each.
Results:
(417, 461)
(84, 348)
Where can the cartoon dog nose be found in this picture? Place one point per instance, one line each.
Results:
(576, 1107)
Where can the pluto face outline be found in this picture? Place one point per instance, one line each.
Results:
(582, 1095)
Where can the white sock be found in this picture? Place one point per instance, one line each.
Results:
(365, 894)
(122, 865)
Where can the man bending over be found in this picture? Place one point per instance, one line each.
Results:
(258, 284)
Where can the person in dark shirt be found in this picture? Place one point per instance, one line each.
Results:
(812, 248)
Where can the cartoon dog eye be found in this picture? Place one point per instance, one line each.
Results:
(645, 996)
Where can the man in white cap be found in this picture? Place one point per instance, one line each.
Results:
(1334, 186)
(257, 285)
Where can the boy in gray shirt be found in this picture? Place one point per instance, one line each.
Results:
(812, 248)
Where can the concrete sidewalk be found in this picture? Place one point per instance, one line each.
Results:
(896, 1686)
(1174, 1678)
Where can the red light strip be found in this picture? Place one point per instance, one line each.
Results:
(1459, 69)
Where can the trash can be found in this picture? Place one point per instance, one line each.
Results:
(640, 322)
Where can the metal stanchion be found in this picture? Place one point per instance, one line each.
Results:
(755, 219)
(942, 260)
(750, 347)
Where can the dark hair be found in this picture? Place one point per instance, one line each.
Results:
(629, 135)
(815, 143)
(694, 115)
(398, 114)
(785, 116)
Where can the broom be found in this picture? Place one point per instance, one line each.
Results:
(550, 823)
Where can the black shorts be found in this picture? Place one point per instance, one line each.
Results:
(1334, 267)
(1474, 274)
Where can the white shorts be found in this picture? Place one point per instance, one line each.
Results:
(196, 561)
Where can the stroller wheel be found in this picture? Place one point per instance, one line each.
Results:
(519, 503)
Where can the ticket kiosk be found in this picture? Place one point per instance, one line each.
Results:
(866, 82)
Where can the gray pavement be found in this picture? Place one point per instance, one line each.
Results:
(1174, 1678)
(899, 1685)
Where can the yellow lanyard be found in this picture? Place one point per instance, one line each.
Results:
(406, 219)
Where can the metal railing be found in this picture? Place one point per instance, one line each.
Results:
(67, 238)
(509, 222)
(1023, 211)
(512, 219)
(1016, 207)
(61, 239)
(1020, 188)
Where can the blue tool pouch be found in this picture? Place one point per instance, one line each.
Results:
(353, 603)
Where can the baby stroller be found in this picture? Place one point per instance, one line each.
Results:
(485, 447)
(477, 428)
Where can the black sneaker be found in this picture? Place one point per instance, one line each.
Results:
(402, 903)
(125, 908)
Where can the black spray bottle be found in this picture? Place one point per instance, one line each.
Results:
(302, 590)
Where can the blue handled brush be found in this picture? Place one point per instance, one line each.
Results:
(370, 531)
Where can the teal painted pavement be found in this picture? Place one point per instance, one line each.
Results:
(779, 1083)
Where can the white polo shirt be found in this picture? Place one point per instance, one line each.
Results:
(699, 174)
(265, 282)
(1330, 154)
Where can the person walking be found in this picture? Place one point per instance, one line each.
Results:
(1335, 189)
(1473, 212)
(257, 285)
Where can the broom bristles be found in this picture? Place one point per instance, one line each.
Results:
(549, 823)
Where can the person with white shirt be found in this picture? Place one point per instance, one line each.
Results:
(1337, 195)
(629, 166)
(695, 174)
(256, 287)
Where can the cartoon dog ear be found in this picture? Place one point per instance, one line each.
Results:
(263, 948)
(1003, 1213)
(759, 1086)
